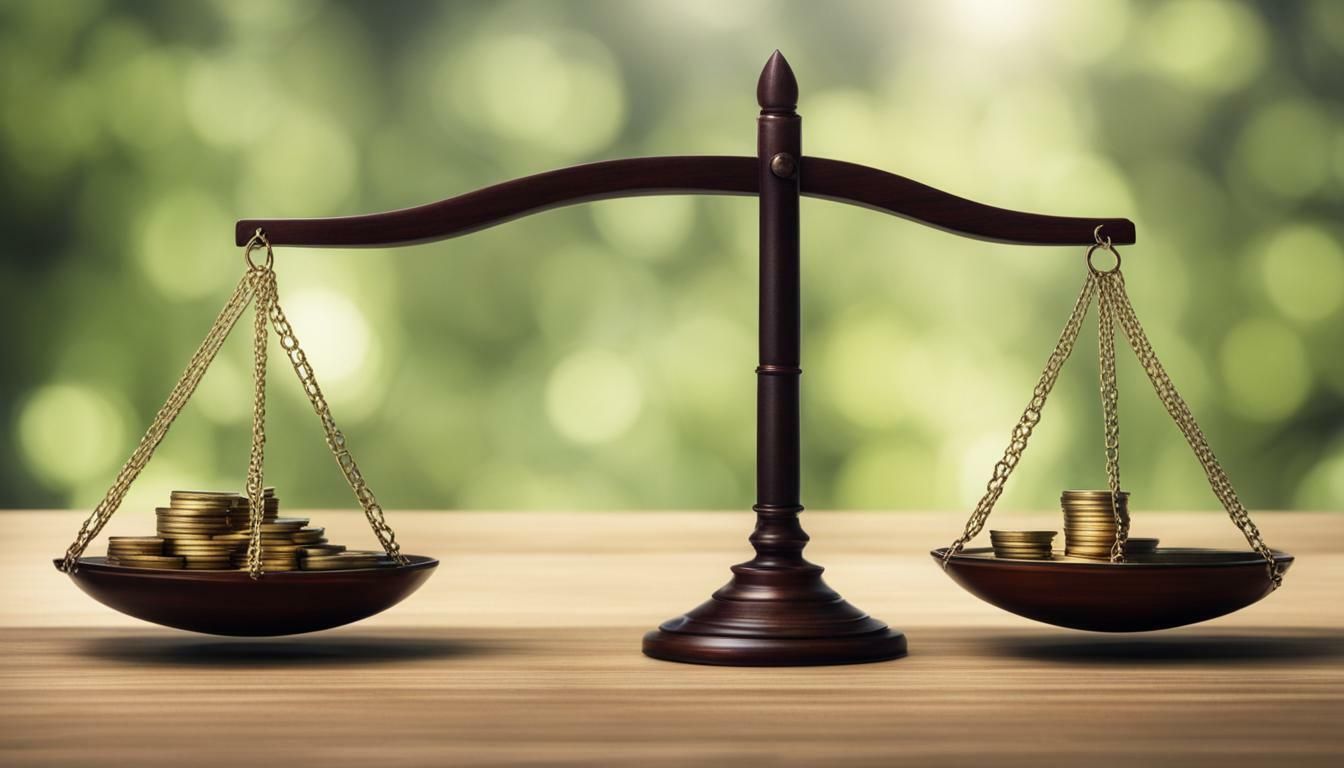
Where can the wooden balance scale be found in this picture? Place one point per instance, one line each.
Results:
(776, 609)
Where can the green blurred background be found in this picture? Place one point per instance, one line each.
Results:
(601, 356)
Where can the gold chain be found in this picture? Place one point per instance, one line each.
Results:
(263, 289)
(257, 284)
(289, 343)
(1110, 409)
(1185, 421)
(158, 428)
(1030, 418)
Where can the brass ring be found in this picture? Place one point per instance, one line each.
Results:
(258, 240)
(1105, 246)
(1096, 235)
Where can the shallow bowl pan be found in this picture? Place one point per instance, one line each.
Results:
(1168, 588)
(232, 603)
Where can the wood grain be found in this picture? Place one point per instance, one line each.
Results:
(522, 650)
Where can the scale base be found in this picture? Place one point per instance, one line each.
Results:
(775, 616)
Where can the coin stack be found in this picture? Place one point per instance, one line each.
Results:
(240, 513)
(1022, 545)
(1089, 524)
(190, 523)
(279, 550)
(139, 552)
(210, 530)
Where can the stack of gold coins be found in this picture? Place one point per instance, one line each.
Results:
(163, 562)
(279, 551)
(342, 561)
(240, 515)
(210, 530)
(132, 546)
(1089, 523)
(1022, 545)
(204, 554)
(189, 523)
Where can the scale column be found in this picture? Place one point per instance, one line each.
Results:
(776, 610)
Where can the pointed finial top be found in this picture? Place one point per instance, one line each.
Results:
(777, 90)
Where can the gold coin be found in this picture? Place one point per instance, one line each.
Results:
(205, 506)
(321, 550)
(191, 511)
(190, 527)
(150, 561)
(194, 522)
(1089, 494)
(135, 539)
(203, 494)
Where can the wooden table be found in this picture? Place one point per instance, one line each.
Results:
(524, 650)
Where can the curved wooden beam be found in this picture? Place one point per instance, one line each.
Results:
(882, 191)
(688, 175)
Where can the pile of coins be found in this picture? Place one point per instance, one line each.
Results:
(139, 552)
(1022, 545)
(209, 530)
(1090, 525)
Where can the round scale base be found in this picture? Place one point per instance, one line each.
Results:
(737, 651)
(773, 616)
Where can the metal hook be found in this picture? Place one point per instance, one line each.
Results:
(258, 240)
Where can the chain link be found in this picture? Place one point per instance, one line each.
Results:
(1017, 443)
(289, 343)
(1110, 407)
(1185, 421)
(163, 419)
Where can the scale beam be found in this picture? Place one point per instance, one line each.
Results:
(682, 175)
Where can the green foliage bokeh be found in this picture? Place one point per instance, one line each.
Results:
(600, 356)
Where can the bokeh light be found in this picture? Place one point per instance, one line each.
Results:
(1266, 370)
(601, 355)
(593, 396)
(1303, 272)
(70, 433)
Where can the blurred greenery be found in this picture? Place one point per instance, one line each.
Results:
(601, 356)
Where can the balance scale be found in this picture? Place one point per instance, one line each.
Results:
(776, 610)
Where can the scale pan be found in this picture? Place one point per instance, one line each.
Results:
(1168, 588)
(232, 603)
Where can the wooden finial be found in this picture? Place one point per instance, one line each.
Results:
(777, 90)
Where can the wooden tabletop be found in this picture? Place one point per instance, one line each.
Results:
(523, 649)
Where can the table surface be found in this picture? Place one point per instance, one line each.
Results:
(523, 649)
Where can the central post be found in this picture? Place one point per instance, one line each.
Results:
(776, 610)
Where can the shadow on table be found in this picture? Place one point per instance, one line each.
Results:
(284, 651)
(1276, 646)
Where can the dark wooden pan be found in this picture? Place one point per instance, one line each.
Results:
(1170, 588)
(232, 603)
